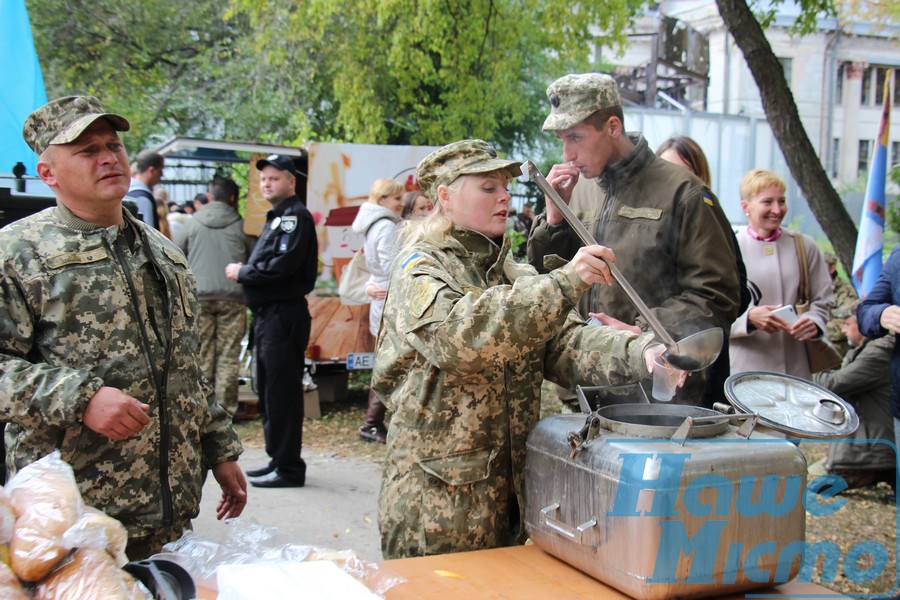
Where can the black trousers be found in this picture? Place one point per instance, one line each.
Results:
(281, 333)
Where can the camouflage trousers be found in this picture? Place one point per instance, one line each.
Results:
(222, 327)
(142, 548)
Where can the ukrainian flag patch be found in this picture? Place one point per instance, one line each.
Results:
(410, 262)
(708, 199)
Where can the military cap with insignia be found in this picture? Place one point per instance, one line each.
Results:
(575, 97)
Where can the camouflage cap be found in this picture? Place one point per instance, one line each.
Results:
(842, 312)
(830, 259)
(575, 97)
(466, 157)
(61, 121)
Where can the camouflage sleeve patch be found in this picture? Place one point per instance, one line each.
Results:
(422, 295)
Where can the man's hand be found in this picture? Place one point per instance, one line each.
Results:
(234, 489)
(114, 414)
(609, 321)
(652, 352)
(232, 270)
(590, 264)
(561, 178)
(890, 318)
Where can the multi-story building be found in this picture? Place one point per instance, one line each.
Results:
(836, 75)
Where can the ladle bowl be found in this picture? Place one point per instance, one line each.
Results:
(697, 351)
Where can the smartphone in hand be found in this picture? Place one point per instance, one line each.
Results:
(787, 313)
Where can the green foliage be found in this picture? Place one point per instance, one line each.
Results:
(811, 11)
(294, 71)
(173, 68)
(517, 241)
(878, 12)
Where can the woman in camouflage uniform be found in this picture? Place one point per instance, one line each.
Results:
(467, 337)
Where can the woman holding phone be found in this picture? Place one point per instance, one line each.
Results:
(771, 334)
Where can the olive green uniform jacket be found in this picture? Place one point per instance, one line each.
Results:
(864, 380)
(671, 239)
(80, 309)
(467, 337)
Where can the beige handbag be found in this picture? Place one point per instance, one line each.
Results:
(821, 354)
(354, 279)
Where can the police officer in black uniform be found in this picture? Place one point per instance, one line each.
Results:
(278, 275)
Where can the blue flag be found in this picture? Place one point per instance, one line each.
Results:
(21, 85)
(870, 241)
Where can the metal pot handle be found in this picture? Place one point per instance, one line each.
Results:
(577, 439)
(576, 534)
(746, 428)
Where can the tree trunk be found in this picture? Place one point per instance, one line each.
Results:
(781, 112)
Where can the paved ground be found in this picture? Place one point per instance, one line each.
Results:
(337, 509)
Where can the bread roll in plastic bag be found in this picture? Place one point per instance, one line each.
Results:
(96, 529)
(10, 586)
(47, 502)
(90, 574)
(7, 525)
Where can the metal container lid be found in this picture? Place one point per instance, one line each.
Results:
(791, 405)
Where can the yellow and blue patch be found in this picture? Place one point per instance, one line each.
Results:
(708, 199)
(410, 262)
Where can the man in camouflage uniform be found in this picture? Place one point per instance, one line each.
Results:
(845, 299)
(98, 341)
(670, 236)
(211, 240)
(467, 337)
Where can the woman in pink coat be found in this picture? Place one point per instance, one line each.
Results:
(761, 340)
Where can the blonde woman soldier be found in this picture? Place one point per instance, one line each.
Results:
(467, 337)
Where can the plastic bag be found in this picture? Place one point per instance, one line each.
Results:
(90, 573)
(7, 525)
(248, 542)
(47, 502)
(96, 529)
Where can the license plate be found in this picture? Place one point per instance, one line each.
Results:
(360, 360)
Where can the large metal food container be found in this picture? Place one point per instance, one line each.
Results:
(665, 501)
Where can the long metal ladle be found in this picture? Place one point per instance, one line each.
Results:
(694, 352)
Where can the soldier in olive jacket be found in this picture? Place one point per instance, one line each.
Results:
(467, 337)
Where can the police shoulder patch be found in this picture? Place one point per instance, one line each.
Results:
(288, 224)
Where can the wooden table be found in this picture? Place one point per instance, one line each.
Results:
(521, 573)
(338, 329)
